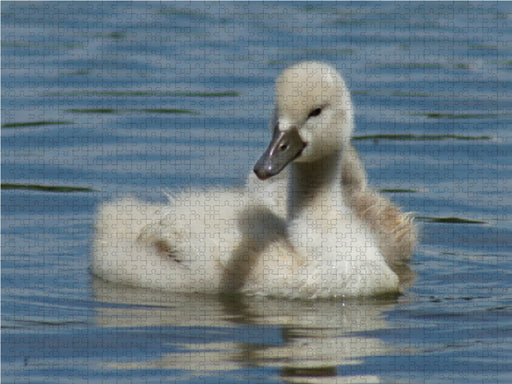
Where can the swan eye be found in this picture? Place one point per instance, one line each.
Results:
(315, 112)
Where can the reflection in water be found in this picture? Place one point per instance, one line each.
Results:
(304, 341)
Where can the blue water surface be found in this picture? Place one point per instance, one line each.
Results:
(135, 98)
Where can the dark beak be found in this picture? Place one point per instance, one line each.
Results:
(285, 147)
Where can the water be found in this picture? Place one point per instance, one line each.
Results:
(136, 98)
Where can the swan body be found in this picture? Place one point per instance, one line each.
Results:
(315, 230)
(179, 246)
(394, 231)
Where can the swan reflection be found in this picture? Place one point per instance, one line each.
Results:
(303, 341)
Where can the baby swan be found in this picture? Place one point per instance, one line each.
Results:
(340, 255)
(227, 240)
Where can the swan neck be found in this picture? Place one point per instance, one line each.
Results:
(313, 185)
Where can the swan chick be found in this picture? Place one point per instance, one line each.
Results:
(311, 239)
(313, 129)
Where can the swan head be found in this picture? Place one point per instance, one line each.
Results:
(313, 117)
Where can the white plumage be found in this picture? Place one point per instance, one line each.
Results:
(316, 230)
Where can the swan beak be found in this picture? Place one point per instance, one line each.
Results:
(285, 147)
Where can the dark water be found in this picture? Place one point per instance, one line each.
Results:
(137, 98)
